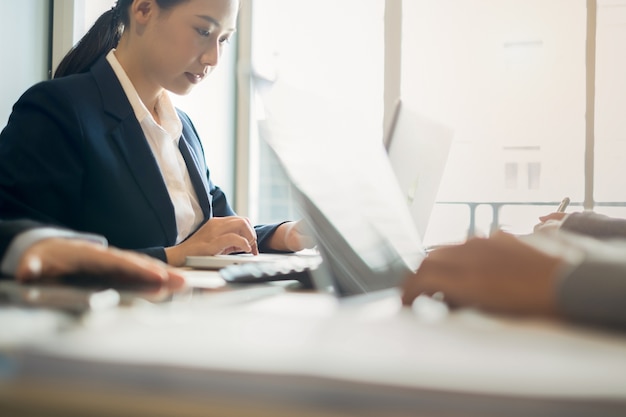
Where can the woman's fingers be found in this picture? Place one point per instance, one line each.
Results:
(229, 243)
(225, 226)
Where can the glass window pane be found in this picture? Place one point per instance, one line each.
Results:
(509, 78)
(534, 175)
(329, 48)
(25, 30)
(510, 175)
(610, 132)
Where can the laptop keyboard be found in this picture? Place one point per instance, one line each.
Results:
(296, 268)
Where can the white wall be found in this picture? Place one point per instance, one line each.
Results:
(24, 44)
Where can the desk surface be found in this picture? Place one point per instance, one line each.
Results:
(293, 350)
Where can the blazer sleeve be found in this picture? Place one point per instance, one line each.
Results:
(40, 160)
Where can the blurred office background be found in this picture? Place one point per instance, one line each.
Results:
(534, 90)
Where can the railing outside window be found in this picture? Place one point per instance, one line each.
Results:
(495, 208)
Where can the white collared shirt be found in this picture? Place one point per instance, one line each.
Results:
(163, 140)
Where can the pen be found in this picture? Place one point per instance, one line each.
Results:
(563, 205)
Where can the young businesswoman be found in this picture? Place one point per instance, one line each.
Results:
(102, 149)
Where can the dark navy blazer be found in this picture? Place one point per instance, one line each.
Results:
(74, 154)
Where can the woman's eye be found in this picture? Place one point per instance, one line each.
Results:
(225, 40)
(203, 32)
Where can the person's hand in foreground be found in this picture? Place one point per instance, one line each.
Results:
(498, 274)
(550, 222)
(55, 258)
(218, 236)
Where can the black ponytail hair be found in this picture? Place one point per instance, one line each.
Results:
(103, 36)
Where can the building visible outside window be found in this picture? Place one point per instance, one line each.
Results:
(503, 75)
(534, 175)
(510, 79)
(510, 175)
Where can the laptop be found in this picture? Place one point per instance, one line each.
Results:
(348, 192)
(418, 150)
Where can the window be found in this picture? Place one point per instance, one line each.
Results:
(332, 48)
(510, 79)
(609, 176)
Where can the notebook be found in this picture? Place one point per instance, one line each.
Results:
(216, 262)
(418, 150)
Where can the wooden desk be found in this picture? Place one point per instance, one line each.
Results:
(306, 354)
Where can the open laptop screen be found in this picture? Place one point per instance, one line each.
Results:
(349, 194)
(418, 150)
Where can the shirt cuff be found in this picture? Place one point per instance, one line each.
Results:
(25, 240)
(568, 247)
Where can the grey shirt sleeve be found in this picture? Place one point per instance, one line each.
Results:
(595, 225)
(595, 291)
(591, 286)
(25, 240)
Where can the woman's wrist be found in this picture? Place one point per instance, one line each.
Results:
(174, 256)
(278, 240)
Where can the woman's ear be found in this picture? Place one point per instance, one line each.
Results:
(142, 10)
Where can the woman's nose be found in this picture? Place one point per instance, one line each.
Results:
(211, 55)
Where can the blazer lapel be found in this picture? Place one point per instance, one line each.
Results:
(141, 162)
(129, 137)
(198, 180)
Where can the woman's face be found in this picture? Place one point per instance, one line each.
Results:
(183, 44)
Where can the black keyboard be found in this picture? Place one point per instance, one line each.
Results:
(296, 268)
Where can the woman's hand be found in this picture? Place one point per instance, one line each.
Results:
(218, 236)
(550, 221)
(292, 236)
(53, 258)
(500, 273)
